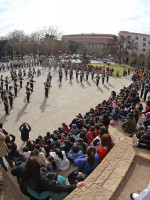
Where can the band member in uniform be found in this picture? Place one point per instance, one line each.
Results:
(6, 83)
(2, 92)
(20, 80)
(28, 91)
(15, 87)
(103, 78)
(87, 75)
(66, 71)
(97, 80)
(81, 77)
(2, 80)
(46, 84)
(6, 105)
(49, 77)
(10, 96)
(77, 73)
(71, 73)
(31, 83)
(107, 77)
(92, 74)
(60, 75)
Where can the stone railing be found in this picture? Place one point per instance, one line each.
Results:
(105, 179)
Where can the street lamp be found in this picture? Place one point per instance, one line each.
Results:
(13, 51)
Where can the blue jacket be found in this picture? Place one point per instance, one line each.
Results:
(87, 168)
(73, 155)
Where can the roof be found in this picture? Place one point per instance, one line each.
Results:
(132, 33)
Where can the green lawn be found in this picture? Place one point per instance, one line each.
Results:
(117, 68)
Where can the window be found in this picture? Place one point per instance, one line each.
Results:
(143, 49)
(144, 39)
(136, 38)
(144, 44)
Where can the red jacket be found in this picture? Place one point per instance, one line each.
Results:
(102, 152)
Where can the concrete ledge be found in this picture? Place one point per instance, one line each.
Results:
(105, 179)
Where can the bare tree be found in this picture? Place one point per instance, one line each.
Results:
(120, 47)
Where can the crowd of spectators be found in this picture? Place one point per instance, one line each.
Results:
(84, 142)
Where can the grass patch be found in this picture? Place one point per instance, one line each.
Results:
(117, 68)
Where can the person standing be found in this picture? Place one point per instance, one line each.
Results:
(10, 96)
(81, 77)
(107, 77)
(103, 78)
(66, 71)
(71, 73)
(20, 80)
(15, 87)
(49, 77)
(6, 83)
(28, 91)
(92, 74)
(6, 105)
(2, 80)
(31, 83)
(77, 73)
(60, 76)
(97, 80)
(87, 75)
(4, 151)
(46, 84)
(25, 129)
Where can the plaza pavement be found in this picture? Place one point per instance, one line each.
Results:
(65, 101)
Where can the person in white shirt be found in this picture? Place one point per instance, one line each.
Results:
(61, 159)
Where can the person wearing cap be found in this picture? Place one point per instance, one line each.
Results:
(74, 130)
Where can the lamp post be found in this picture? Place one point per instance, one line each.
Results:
(12, 51)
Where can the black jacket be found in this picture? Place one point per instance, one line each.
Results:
(40, 183)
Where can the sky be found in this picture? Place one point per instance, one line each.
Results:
(75, 16)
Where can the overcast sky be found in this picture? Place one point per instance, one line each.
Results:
(75, 16)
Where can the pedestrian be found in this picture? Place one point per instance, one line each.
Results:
(28, 91)
(10, 96)
(25, 129)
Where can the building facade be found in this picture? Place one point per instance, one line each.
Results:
(90, 41)
(142, 41)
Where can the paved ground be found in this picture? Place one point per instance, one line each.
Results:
(65, 101)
